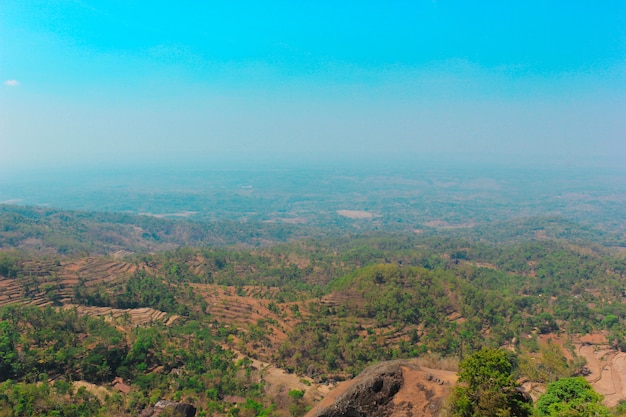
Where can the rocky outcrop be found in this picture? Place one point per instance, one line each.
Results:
(389, 389)
(173, 409)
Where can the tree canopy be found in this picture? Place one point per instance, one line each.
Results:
(487, 387)
(571, 397)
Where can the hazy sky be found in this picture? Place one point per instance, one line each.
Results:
(117, 82)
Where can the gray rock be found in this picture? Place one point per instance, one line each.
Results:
(173, 408)
(375, 387)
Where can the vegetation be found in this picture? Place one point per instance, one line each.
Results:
(487, 388)
(183, 361)
(571, 397)
(322, 307)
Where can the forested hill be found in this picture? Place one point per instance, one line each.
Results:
(70, 232)
(53, 231)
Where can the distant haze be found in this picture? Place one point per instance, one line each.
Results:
(95, 83)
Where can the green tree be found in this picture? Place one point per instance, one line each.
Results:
(486, 388)
(297, 407)
(571, 397)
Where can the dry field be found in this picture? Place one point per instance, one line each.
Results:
(606, 365)
(356, 214)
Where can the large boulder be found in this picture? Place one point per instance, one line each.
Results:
(389, 389)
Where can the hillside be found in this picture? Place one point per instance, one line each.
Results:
(323, 309)
(299, 315)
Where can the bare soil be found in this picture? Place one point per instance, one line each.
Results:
(356, 214)
(607, 368)
(606, 365)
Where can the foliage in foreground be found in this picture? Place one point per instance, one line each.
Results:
(42, 351)
(571, 397)
(487, 388)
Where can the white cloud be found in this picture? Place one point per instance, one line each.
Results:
(12, 83)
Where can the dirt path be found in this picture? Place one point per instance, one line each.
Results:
(98, 390)
(277, 380)
(619, 373)
(608, 372)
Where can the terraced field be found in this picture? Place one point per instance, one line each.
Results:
(51, 283)
(134, 316)
(44, 282)
(241, 307)
(94, 270)
(11, 291)
(339, 298)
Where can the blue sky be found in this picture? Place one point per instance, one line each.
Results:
(119, 82)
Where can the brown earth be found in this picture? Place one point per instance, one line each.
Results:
(134, 316)
(605, 365)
